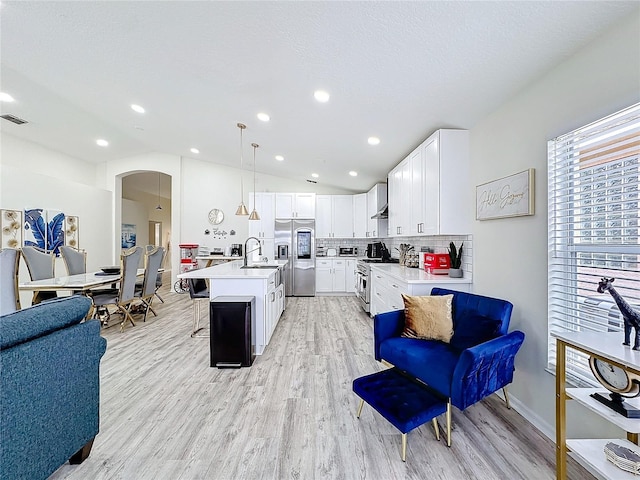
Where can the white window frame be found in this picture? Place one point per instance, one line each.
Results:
(593, 230)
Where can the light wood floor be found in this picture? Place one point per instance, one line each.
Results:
(165, 414)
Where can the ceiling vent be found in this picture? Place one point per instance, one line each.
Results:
(14, 119)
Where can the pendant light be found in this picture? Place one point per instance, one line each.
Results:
(254, 214)
(242, 208)
(159, 207)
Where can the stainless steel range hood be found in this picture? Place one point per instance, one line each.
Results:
(383, 212)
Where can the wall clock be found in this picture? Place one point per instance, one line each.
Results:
(620, 382)
(216, 216)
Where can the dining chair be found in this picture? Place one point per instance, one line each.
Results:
(125, 296)
(198, 289)
(75, 260)
(149, 248)
(146, 292)
(159, 276)
(40, 265)
(9, 293)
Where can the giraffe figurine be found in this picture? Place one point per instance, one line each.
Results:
(630, 316)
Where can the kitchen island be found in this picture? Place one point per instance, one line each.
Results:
(389, 281)
(262, 281)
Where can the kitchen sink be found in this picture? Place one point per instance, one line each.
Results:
(260, 266)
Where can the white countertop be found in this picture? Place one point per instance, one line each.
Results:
(217, 257)
(233, 270)
(416, 275)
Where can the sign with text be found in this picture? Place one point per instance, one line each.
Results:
(511, 196)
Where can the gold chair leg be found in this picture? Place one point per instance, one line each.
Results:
(360, 408)
(196, 320)
(436, 429)
(506, 397)
(404, 447)
(449, 423)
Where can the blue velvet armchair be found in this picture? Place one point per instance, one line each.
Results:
(478, 361)
(49, 387)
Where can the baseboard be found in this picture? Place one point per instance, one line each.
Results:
(530, 416)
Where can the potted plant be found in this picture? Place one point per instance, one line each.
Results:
(455, 257)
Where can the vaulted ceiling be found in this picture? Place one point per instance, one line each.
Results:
(394, 70)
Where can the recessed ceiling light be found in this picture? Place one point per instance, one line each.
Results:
(321, 96)
(263, 116)
(315, 175)
(195, 150)
(279, 158)
(353, 173)
(5, 97)
(137, 108)
(102, 143)
(373, 140)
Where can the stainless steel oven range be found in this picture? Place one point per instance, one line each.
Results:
(363, 276)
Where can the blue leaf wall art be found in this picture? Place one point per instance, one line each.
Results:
(43, 233)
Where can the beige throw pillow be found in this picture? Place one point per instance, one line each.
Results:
(428, 317)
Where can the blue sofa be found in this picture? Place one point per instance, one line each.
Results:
(478, 361)
(49, 387)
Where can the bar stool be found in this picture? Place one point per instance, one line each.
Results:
(198, 289)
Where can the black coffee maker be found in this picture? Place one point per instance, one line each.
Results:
(236, 249)
(378, 250)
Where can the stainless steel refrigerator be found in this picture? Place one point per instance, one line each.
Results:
(296, 241)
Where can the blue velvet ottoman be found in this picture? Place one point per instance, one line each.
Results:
(402, 400)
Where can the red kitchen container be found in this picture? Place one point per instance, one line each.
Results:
(436, 263)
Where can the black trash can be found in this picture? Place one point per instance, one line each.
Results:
(232, 338)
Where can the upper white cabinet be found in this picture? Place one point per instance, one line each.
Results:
(265, 206)
(376, 200)
(295, 205)
(430, 192)
(334, 216)
(399, 181)
(360, 219)
(448, 192)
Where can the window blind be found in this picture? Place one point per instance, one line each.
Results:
(594, 229)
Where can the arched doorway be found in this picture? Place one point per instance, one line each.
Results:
(146, 210)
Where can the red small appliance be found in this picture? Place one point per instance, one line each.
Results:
(436, 263)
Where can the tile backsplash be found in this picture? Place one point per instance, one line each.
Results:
(439, 244)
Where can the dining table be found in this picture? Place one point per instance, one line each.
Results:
(80, 282)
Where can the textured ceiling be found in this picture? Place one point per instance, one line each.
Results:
(397, 70)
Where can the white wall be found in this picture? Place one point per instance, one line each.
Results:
(510, 255)
(210, 186)
(18, 153)
(56, 189)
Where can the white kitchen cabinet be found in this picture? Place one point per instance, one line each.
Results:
(339, 275)
(430, 191)
(332, 274)
(448, 191)
(295, 205)
(324, 275)
(360, 222)
(376, 200)
(388, 283)
(265, 206)
(417, 186)
(334, 216)
(399, 181)
(350, 276)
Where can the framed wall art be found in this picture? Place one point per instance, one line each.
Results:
(511, 196)
(11, 223)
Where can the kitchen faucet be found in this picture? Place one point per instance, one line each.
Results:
(247, 252)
